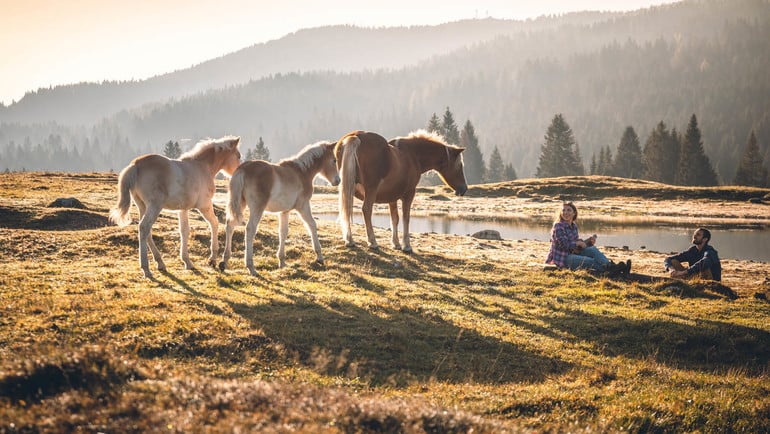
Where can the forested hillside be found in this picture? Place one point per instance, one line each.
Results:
(601, 72)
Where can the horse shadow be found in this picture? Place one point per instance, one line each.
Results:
(393, 347)
(708, 346)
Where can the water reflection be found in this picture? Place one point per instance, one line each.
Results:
(733, 244)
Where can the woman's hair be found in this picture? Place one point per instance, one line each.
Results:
(574, 209)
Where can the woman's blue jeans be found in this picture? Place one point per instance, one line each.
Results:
(590, 257)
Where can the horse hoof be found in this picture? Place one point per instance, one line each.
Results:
(319, 262)
(375, 248)
(222, 266)
(408, 250)
(350, 244)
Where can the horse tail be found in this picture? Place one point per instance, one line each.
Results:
(126, 182)
(348, 171)
(236, 199)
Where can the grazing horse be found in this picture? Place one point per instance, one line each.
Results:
(278, 188)
(156, 183)
(379, 171)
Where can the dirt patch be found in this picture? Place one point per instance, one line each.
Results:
(92, 370)
(50, 219)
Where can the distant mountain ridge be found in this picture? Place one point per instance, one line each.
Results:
(340, 48)
(604, 72)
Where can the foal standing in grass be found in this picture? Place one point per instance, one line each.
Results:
(278, 188)
(155, 183)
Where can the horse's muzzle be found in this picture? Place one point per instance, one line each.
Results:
(460, 191)
(336, 181)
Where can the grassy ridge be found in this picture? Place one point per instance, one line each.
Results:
(460, 335)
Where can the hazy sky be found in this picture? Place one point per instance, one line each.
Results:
(51, 42)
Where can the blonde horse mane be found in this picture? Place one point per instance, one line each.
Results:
(206, 144)
(305, 158)
(429, 136)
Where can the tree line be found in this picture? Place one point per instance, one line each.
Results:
(668, 157)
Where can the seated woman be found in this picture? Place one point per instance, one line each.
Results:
(568, 250)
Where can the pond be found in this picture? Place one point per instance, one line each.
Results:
(730, 243)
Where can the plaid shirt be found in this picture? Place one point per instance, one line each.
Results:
(563, 239)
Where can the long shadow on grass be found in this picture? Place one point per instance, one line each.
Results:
(392, 347)
(708, 346)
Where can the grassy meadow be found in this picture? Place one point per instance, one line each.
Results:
(464, 335)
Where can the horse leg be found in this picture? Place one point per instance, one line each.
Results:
(394, 225)
(406, 204)
(145, 238)
(229, 229)
(312, 230)
(283, 232)
(211, 219)
(366, 209)
(155, 252)
(251, 231)
(184, 235)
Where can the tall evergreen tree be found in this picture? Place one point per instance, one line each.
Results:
(172, 150)
(510, 172)
(628, 157)
(578, 159)
(604, 164)
(260, 152)
(434, 125)
(449, 127)
(473, 159)
(661, 155)
(431, 178)
(559, 154)
(594, 167)
(496, 168)
(751, 170)
(694, 166)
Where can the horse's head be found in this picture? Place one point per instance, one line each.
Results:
(329, 164)
(452, 172)
(231, 156)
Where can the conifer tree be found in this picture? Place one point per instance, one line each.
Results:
(473, 159)
(628, 157)
(607, 168)
(450, 132)
(496, 168)
(577, 160)
(510, 172)
(594, 167)
(434, 125)
(694, 166)
(172, 150)
(559, 154)
(601, 162)
(661, 155)
(751, 170)
(261, 152)
(431, 178)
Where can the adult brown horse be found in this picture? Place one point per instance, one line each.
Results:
(156, 183)
(379, 171)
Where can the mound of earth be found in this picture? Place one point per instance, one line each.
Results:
(51, 219)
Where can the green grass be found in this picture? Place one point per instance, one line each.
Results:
(453, 338)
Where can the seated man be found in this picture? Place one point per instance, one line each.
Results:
(701, 258)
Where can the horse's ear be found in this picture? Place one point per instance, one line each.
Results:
(457, 150)
(237, 141)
